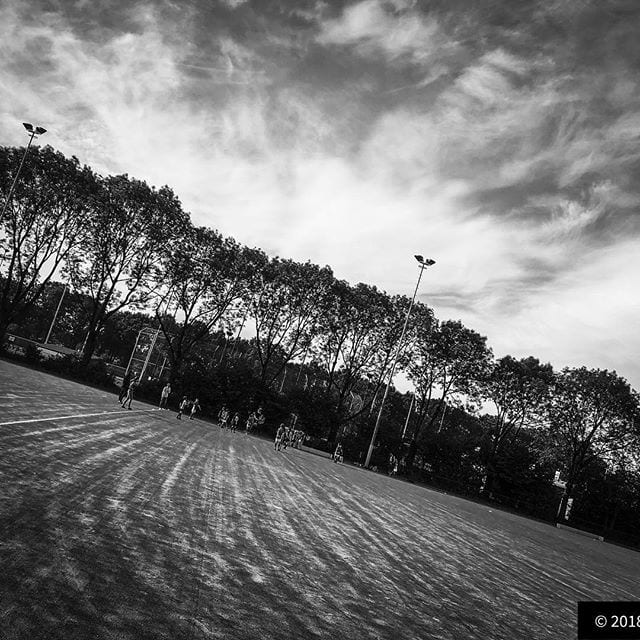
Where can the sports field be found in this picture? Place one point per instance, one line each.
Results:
(132, 524)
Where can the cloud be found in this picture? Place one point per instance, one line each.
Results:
(234, 4)
(588, 317)
(395, 31)
(358, 137)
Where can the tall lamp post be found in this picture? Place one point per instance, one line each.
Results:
(55, 315)
(33, 132)
(424, 263)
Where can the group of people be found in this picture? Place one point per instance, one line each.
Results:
(232, 422)
(228, 421)
(188, 406)
(288, 437)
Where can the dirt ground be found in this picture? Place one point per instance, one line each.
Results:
(132, 524)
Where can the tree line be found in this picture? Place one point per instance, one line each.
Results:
(320, 347)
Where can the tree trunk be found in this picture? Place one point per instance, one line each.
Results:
(89, 347)
(562, 507)
(490, 480)
(490, 468)
(413, 444)
(333, 432)
(410, 458)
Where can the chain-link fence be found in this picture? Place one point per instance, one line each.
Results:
(149, 360)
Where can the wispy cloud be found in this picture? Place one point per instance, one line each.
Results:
(396, 32)
(501, 140)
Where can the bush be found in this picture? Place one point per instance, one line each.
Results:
(96, 373)
(32, 354)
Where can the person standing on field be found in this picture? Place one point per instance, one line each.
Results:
(223, 417)
(124, 387)
(280, 436)
(164, 396)
(194, 408)
(184, 404)
(129, 397)
(260, 418)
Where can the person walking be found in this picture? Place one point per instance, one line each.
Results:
(251, 423)
(224, 418)
(124, 386)
(195, 406)
(129, 397)
(286, 440)
(235, 421)
(164, 396)
(184, 404)
(280, 435)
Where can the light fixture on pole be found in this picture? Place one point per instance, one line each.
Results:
(424, 263)
(33, 132)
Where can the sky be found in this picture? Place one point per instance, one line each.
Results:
(500, 138)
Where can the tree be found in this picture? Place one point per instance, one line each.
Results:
(447, 363)
(518, 390)
(51, 203)
(205, 275)
(35, 321)
(287, 307)
(592, 413)
(119, 334)
(357, 337)
(122, 246)
(451, 454)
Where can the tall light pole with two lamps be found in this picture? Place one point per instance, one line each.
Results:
(33, 132)
(424, 263)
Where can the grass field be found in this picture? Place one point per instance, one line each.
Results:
(132, 524)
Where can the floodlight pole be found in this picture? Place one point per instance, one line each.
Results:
(423, 265)
(135, 346)
(55, 315)
(32, 134)
(406, 423)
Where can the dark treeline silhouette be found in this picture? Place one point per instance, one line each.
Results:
(321, 348)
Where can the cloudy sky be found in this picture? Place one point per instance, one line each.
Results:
(500, 138)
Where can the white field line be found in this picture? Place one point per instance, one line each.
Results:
(83, 415)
